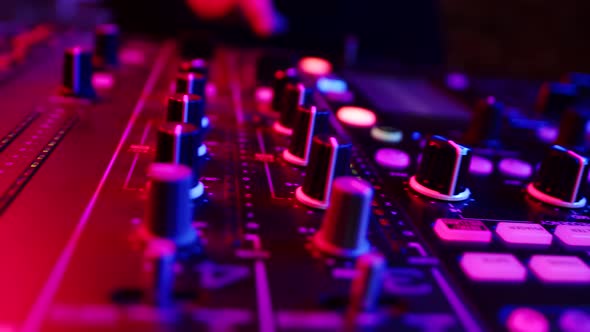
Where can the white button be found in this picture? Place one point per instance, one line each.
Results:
(575, 236)
(521, 233)
(527, 320)
(387, 134)
(574, 320)
(392, 158)
(462, 230)
(515, 168)
(492, 267)
(567, 269)
(481, 166)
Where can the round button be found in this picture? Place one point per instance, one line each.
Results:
(481, 166)
(392, 158)
(527, 320)
(387, 134)
(515, 168)
(356, 116)
(315, 66)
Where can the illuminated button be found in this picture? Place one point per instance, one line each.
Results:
(521, 233)
(315, 66)
(527, 320)
(572, 235)
(560, 269)
(356, 116)
(331, 85)
(574, 320)
(515, 168)
(480, 166)
(457, 81)
(492, 267)
(458, 230)
(263, 94)
(387, 134)
(392, 158)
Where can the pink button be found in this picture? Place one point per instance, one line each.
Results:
(492, 267)
(573, 235)
(459, 230)
(392, 158)
(481, 166)
(523, 233)
(527, 320)
(560, 269)
(515, 168)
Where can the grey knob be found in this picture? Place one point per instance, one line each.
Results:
(169, 209)
(344, 228)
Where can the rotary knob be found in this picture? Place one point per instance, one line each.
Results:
(177, 143)
(486, 123)
(555, 97)
(160, 255)
(329, 158)
(197, 65)
(344, 228)
(442, 170)
(295, 95)
(281, 78)
(191, 83)
(572, 128)
(169, 210)
(309, 122)
(367, 283)
(189, 109)
(77, 74)
(561, 179)
(106, 46)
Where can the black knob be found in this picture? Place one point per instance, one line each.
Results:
(178, 143)
(561, 179)
(329, 158)
(309, 122)
(572, 128)
(442, 170)
(295, 95)
(77, 74)
(106, 46)
(555, 97)
(486, 123)
(197, 65)
(191, 83)
(344, 227)
(189, 108)
(281, 78)
(169, 210)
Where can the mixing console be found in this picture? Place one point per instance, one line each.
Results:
(142, 189)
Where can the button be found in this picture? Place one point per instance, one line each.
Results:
(459, 230)
(560, 269)
(574, 320)
(527, 320)
(356, 116)
(387, 134)
(492, 267)
(481, 166)
(572, 235)
(515, 168)
(343, 231)
(309, 122)
(392, 158)
(315, 66)
(521, 233)
(442, 170)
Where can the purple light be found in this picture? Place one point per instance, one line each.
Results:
(457, 81)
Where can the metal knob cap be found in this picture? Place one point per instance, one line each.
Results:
(309, 122)
(442, 170)
(77, 74)
(329, 159)
(344, 227)
(177, 143)
(561, 179)
(169, 210)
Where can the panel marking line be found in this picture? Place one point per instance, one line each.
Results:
(35, 317)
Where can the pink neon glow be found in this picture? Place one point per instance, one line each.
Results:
(527, 319)
(516, 168)
(462, 230)
(492, 267)
(560, 269)
(574, 235)
(103, 80)
(264, 94)
(481, 166)
(315, 66)
(522, 233)
(356, 116)
(392, 158)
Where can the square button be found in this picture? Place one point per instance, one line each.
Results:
(560, 269)
(459, 230)
(495, 267)
(523, 233)
(572, 235)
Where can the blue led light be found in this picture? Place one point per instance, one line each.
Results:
(331, 85)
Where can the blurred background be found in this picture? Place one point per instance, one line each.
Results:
(524, 38)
